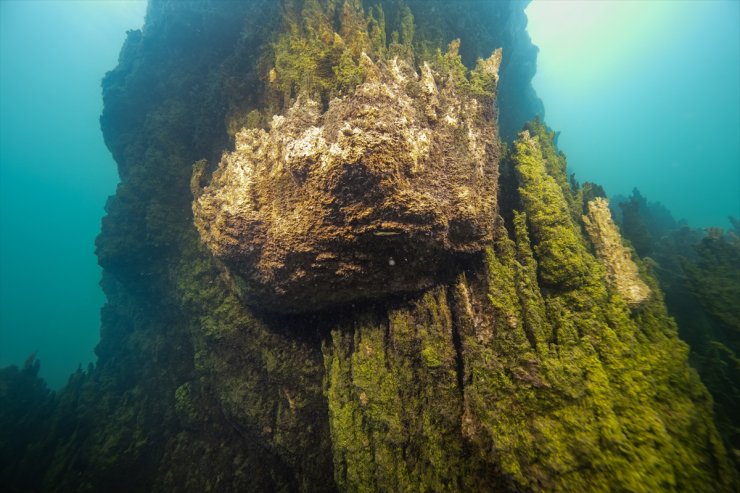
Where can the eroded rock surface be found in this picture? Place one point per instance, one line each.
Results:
(621, 270)
(376, 195)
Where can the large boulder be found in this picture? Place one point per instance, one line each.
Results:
(378, 194)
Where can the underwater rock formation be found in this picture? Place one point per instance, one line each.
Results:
(521, 369)
(372, 197)
(621, 270)
(699, 272)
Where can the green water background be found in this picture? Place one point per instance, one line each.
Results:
(55, 175)
(646, 94)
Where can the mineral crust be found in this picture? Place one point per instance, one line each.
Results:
(622, 273)
(378, 194)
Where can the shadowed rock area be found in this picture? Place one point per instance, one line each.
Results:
(372, 197)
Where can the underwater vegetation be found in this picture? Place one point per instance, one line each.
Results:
(699, 271)
(391, 285)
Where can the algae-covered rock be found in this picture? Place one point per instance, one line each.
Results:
(519, 369)
(621, 270)
(375, 195)
(493, 383)
(559, 246)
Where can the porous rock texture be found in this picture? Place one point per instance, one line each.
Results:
(374, 196)
(621, 270)
(521, 371)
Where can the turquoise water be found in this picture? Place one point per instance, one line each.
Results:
(55, 176)
(647, 95)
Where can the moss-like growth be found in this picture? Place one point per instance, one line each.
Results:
(395, 401)
(621, 270)
(508, 372)
(713, 278)
(557, 242)
(556, 166)
(700, 274)
(560, 390)
(319, 52)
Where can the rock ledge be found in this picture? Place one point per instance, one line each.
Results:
(374, 196)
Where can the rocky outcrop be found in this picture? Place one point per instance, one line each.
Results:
(482, 27)
(518, 370)
(374, 196)
(621, 270)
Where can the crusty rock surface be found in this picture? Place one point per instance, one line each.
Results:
(620, 269)
(376, 195)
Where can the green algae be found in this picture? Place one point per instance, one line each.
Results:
(394, 401)
(320, 57)
(557, 241)
(561, 389)
(523, 372)
(699, 273)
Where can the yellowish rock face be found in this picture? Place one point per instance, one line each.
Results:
(380, 193)
(621, 270)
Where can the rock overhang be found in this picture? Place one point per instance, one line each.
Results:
(375, 195)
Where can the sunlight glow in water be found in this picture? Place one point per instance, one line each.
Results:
(586, 42)
(645, 94)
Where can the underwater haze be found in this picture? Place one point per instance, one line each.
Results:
(55, 175)
(646, 95)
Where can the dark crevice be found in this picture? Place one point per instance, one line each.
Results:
(456, 339)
